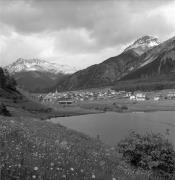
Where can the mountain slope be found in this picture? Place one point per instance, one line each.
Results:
(37, 75)
(36, 81)
(158, 61)
(100, 75)
(109, 71)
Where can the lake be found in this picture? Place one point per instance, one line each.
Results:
(112, 126)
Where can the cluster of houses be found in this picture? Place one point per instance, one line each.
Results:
(78, 96)
(139, 96)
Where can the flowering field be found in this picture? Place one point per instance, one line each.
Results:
(34, 149)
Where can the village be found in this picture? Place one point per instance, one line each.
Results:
(71, 97)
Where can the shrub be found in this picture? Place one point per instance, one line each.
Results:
(124, 107)
(6, 81)
(3, 110)
(49, 110)
(149, 152)
(105, 108)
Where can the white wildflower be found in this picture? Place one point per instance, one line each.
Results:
(93, 176)
(35, 168)
(52, 164)
(72, 169)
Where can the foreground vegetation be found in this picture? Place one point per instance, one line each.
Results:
(34, 149)
(151, 152)
(31, 149)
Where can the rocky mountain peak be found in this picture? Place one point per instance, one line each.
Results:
(147, 40)
(29, 61)
(24, 65)
(143, 44)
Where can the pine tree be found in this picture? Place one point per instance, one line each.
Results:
(6, 81)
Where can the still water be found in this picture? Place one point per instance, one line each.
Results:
(112, 126)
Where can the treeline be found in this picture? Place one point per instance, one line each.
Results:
(146, 84)
(6, 81)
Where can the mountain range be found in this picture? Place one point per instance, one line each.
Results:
(146, 58)
(25, 65)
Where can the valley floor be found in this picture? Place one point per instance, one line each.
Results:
(116, 103)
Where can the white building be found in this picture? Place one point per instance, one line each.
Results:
(156, 98)
(132, 97)
(140, 97)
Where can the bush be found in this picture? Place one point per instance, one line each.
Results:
(124, 107)
(6, 81)
(3, 110)
(149, 152)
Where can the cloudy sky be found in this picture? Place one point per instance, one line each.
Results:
(79, 32)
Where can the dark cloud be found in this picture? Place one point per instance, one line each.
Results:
(39, 15)
(85, 26)
(109, 21)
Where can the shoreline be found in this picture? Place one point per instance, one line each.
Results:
(133, 110)
(136, 112)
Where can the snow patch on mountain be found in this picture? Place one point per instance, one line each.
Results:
(39, 65)
(143, 44)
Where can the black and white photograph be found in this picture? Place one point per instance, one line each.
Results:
(87, 89)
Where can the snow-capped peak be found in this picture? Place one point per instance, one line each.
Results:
(38, 65)
(142, 44)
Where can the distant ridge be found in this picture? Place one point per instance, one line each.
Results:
(38, 65)
(36, 75)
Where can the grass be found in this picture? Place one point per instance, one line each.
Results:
(34, 149)
(126, 105)
(20, 105)
(105, 106)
